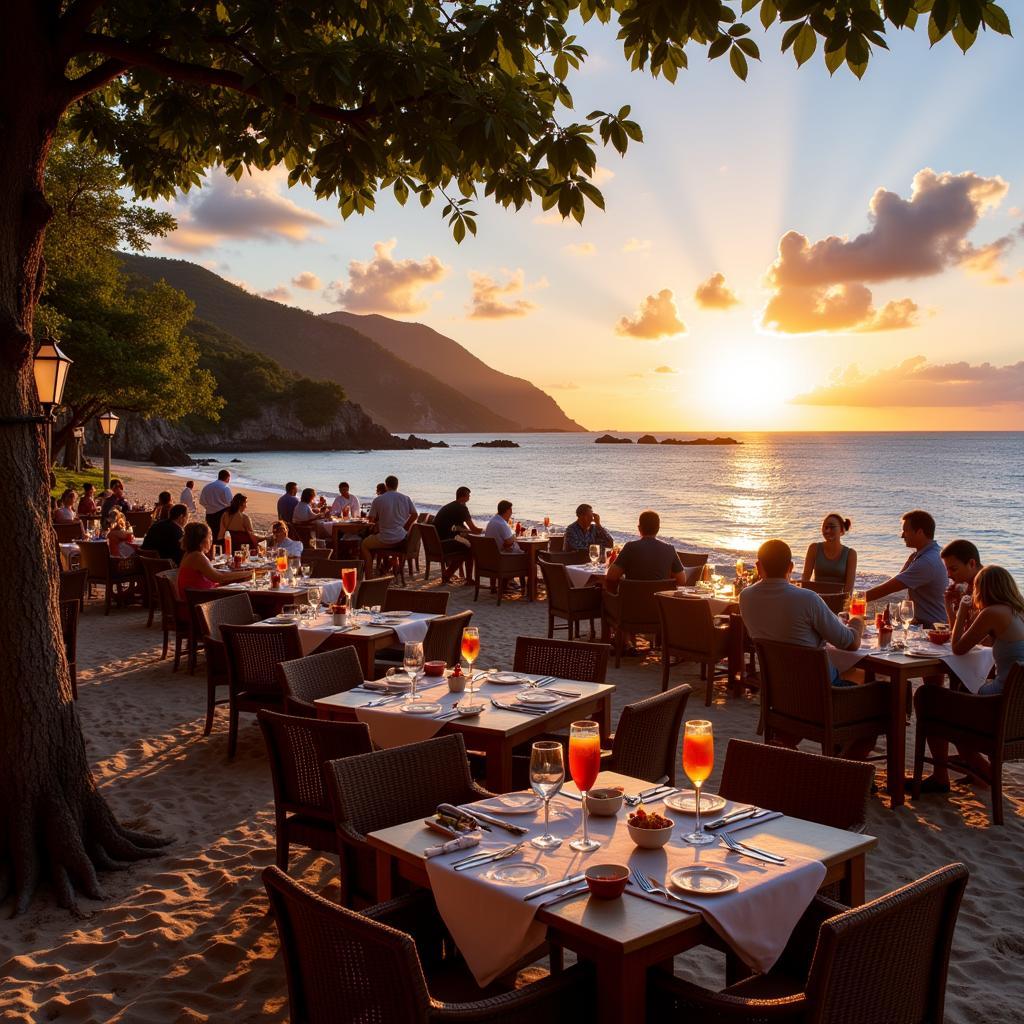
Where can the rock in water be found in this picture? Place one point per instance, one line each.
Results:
(495, 444)
(608, 439)
(647, 439)
(167, 454)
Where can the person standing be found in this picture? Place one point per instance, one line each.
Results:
(188, 497)
(923, 575)
(393, 514)
(215, 497)
(587, 530)
(287, 502)
(345, 499)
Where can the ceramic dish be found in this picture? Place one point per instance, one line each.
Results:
(505, 679)
(513, 803)
(537, 697)
(686, 802)
(704, 880)
(420, 707)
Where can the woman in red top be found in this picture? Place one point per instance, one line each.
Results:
(119, 537)
(196, 571)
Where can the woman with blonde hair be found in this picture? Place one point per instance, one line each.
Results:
(829, 560)
(119, 540)
(996, 611)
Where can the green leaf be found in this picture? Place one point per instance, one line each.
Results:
(718, 47)
(769, 12)
(738, 62)
(805, 45)
(834, 59)
(459, 230)
(789, 36)
(963, 37)
(995, 18)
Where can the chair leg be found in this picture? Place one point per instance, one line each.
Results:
(281, 857)
(918, 760)
(177, 650)
(997, 791)
(106, 602)
(232, 730)
(708, 671)
(664, 669)
(618, 646)
(551, 626)
(211, 703)
(167, 637)
(152, 609)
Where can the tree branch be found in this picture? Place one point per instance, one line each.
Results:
(133, 56)
(95, 79)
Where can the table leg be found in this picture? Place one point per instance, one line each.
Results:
(531, 580)
(896, 741)
(622, 991)
(851, 888)
(498, 771)
(384, 881)
(604, 718)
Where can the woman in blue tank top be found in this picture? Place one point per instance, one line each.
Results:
(830, 561)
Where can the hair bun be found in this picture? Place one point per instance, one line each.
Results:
(846, 525)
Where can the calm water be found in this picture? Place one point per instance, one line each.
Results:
(726, 499)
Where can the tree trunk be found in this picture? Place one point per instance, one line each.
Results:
(53, 822)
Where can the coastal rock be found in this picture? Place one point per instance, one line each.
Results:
(421, 442)
(647, 439)
(608, 439)
(166, 454)
(495, 444)
(703, 440)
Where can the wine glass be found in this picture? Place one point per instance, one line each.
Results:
(698, 760)
(907, 614)
(595, 553)
(547, 773)
(314, 594)
(413, 663)
(584, 764)
(349, 580)
(471, 651)
(896, 617)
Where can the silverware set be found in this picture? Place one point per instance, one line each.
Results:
(555, 886)
(523, 709)
(649, 885)
(654, 793)
(487, 858)
(754, 852)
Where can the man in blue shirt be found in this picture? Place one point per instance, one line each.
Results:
(287, 502)
(586, 530)
(923, 575)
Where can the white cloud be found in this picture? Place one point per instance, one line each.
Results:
(278, 294)
(657, 317)
(386, 285)
(581, 248)
(715, 294)
(307, 281)
(665, 369)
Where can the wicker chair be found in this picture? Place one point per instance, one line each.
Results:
(645, 740)
(692, 559)
(68, 533)
(689, 633)
(301, 532)
(318, 675)
(443, 642)
(388, 787)
(574, 604)
(297, 749)
(174, 615)
(69, 611)
(390, 964)
(113, 573)
(556, 543)
(73, 585)
(563, 557)
(884, 962)
(372, 592)
(253, 654)
(330, 568)
(433, 551)
(150, 567)
(829, 790)
(832, 594)
(798, 698)
(235, 610)
(991, 724)
(564, 659)
(632, 610)
(429, 602)
(397, 556)
(195, 598)
(489, 562)
(140, 522)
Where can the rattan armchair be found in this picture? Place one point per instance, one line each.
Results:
(68, 533)
(632, 609)
(491, 563)
(174, 615)
(140, 521)
(390, 964)
(831, 593)
(433, 551)
(114, 573)
(574, 604)
(371, 592)
(73, 585)
(387, 787)
(307, 679)
(885, 962)
(443, 642)
(647, 736)
(150, 567)
(195, 598)
(692, 559)
(234, 610)
(992, 725)
(429, 602)
(798, 699)
(689, 633)
(564, 659)
(297, 748)
(330, 568)
(253, 654)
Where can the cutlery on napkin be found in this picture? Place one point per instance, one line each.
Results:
(451, 811)
(567, 895)
(521, 708)
(489, 819)
(460, 843)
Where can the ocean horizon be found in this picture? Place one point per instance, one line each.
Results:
(725, 499)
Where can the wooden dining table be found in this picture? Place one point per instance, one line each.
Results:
(532, 545)
(624, 938)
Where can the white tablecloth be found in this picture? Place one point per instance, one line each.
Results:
(972, 668)
(581, 575)
(719, 605)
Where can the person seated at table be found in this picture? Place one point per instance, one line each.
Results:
(381, 488)
(87, 503)
(163, 506)
(304, 511)
(279, 539)
(923, 575)
(164, 537)
(647, 558)
(830, 561)
(115, 499)
(196, 572)
(237, 521)
(287, 502)
(65, 510)
(392, 514)
(452, 523)
(500, 531)
(587, 530)
(345, 499)
(963, 563)
(119, 540)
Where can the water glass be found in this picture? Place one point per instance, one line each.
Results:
(547, 773)
(413, 663)
(595, 553)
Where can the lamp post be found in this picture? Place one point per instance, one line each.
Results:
(108, 425)
(78, 433)
(50, 368)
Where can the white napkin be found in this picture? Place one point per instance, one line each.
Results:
(458, 843)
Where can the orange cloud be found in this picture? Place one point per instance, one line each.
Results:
(308, 281)
(664, 369)
(581, 248)
(278, 294)
(917, 383)
(822, 285)
(657, 317)
(386, 285)
(491, 300)
(637, 245)
(715, 294)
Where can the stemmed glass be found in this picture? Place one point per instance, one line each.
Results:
(595, 553)
(413, 663)
(313, 595)
(584, 764)
(471, 651)
(896, 615)
(547, 773)
(907, 614)
(349, 581)
(698, 760)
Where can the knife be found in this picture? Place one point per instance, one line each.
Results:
(570, 880)
(728, 819)
(451, 811)
(567, 895)
(522, 710)
(489, 819)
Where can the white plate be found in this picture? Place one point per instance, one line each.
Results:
(704, 880)
(537, 697)
(280, 620)
(686, 801)
(506, 679)
(421, 707)
(516, 874)
(469, 710)
(513, 803)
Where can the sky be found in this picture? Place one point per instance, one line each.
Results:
(797, 252)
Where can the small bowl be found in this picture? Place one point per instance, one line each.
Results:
(604, 802)
(434, 668)
(941, 627)
(939, 636)
(650, 838)
(607, 881)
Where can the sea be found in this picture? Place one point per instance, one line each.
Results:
(725, 499)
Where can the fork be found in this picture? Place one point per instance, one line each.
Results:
(475, 862)
(384, 700)
(750, 851)
(655, 793)
(650, 886)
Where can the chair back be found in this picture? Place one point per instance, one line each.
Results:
(430, 602)
(831, 593)
(94, 556)
(888, 959)
(563, 557)
(68, 533)
(556, 583)
(636, 600)
(140, 522)
(796, 682)
(69, 609)
(307, 679)
(73, 584)
(233, 610)
(564, 659)
(330, 568)
(686, 624)
(150, 568)
(297, 748)
(829, 790)
(412, 541)
(302, 532)
(342, 965)
(692, 559)
(556, 543)
(372, 591)
(1011, 720)
(432, 543)
(240, 537)
(443, 641)
(253, 654)
(486, 553)
(425, 517)
(173, 613)
(647, 736)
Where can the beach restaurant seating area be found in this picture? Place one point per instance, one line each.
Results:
(516, 833)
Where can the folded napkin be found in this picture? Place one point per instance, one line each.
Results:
(410, 630)
(459, 843)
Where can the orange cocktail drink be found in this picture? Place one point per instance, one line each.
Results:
(349, 578)
(698, 757)
(584, 761)
(282, 563)
(470, 647)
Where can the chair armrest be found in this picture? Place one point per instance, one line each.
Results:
(675, 999)
(553, 1000)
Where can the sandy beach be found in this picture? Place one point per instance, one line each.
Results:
(185, 937)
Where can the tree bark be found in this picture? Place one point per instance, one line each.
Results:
(53, 822)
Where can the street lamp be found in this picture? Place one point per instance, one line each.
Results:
(78, 433)
(50, 368)
(108, 426)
